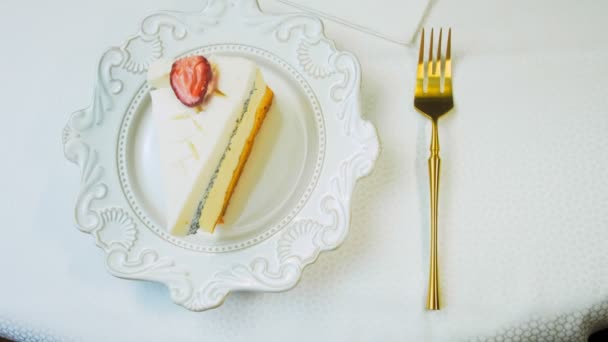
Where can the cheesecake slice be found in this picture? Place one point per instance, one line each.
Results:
(207, 114)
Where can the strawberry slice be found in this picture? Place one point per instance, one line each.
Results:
(190, 78)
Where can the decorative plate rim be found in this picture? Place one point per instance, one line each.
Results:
(277, 262)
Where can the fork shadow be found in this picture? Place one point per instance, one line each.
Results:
(422, 181)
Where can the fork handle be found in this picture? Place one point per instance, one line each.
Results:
(432, 302)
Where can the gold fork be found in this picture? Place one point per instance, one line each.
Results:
(433, 103)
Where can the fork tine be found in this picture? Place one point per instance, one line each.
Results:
(439, 51)
(447, 75)
(421, 53)
(448, 54)
(420, 71)
(431, 65)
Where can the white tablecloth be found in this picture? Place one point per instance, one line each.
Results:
(524, 197)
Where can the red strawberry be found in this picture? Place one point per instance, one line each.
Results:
(190, 78)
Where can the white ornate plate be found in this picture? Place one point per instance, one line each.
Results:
(293, 201)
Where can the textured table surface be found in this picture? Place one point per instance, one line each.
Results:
(524, 198)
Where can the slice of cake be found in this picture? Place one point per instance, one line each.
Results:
(207, 114)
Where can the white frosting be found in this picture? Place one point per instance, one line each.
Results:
(158, 73)
(192, 143)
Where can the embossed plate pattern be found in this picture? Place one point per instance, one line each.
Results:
(294, 199)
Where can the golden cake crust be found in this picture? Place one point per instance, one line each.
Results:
(260, 115)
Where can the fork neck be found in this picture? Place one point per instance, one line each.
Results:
(435, 138)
